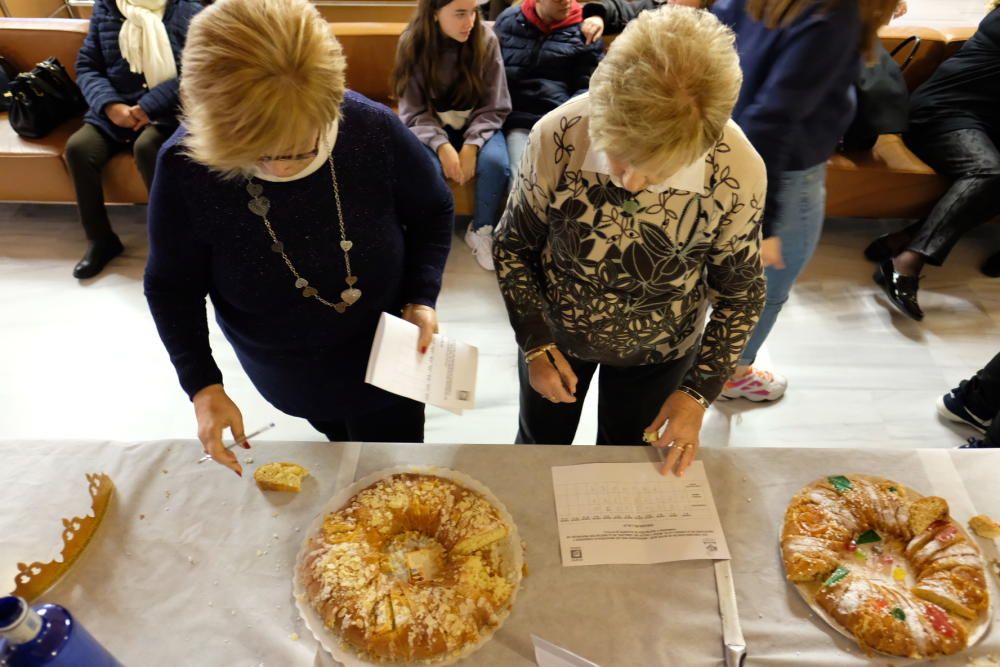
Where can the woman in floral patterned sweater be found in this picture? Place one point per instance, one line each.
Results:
(633, 204)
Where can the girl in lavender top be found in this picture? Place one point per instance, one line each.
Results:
(449, 78)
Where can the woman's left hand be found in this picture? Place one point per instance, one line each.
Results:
(683, 416)
(467, 158)
(424, 317)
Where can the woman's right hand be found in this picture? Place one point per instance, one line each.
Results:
(121, 115)
(556, 381)
(215, 411)
(450, 163)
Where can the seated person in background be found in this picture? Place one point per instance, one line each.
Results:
(547, 59)
(453, 95)
(127, 70)
(976, 402)
(954, 128)
(616, 13)
(631, 204)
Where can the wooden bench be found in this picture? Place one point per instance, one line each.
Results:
(888, 181)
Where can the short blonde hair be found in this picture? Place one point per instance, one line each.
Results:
(664, 92)
(257, 75)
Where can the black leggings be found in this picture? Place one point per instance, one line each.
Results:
(972, 159)
(629, 399)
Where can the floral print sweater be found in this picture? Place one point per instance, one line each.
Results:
(624, 278)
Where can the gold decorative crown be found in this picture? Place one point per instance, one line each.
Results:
(33, 580)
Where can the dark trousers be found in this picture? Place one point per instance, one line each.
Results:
(981, 395)
(628, 399)
(972, 159)
(88, 152)
(403, 421)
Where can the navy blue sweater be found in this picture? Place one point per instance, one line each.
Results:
(798, 95)
(303, 357)
(105, 77)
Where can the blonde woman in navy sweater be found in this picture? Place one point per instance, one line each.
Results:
(303, 211)
(800, 59)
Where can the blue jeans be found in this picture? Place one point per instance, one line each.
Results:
(492, 174)
(517, 141)
(799, 225)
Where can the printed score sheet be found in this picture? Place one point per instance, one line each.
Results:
(628, 513)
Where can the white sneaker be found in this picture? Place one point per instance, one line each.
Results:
(756, 386)
(481, 242)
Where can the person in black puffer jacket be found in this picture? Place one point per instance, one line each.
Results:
(128, 71)
(547, 59)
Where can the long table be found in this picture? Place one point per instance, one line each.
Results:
(193, 565)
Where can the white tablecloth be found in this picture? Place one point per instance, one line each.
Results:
(193, 565)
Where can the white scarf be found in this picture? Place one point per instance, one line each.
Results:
(144, 42)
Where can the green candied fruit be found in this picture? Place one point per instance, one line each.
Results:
(836, 576)
(868, 537)
(898, 614)
(894, 489)
(840, 483)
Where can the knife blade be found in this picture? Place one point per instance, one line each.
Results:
(734, 645)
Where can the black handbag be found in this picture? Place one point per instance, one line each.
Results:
(7, 73)
(883, 98)
(43, 99)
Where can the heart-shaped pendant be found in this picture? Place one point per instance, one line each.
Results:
(309, 292)
(351, 295)
(255, 189)
(351, 281)
(340, 307)
(259, 205)
(301, 282)
(346, 245)
(278, 247)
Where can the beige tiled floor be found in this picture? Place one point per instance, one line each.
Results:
(83, 360)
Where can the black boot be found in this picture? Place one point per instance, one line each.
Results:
(97, 257)
(991, 267)
(901, 290)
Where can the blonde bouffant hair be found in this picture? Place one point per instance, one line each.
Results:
(664, 92)
(257, 75)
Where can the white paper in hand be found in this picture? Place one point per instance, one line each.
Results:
(548, 654)
(445, 376)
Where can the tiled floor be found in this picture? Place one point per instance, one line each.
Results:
(83, 360)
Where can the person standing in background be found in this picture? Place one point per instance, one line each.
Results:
(800, 59)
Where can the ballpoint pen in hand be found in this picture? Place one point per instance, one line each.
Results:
(240, 441)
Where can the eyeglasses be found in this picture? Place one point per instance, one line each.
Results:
(292, 158)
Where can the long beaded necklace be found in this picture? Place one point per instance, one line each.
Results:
(261, 205)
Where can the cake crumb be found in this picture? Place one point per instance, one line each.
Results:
(294, 636)
(274, 514)
(211, 604)
(142, 517)
(191, 560)
(232, 612)
(749, 499)
(249, 459)
(164, 471)
(276, 536)
(167, 492)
